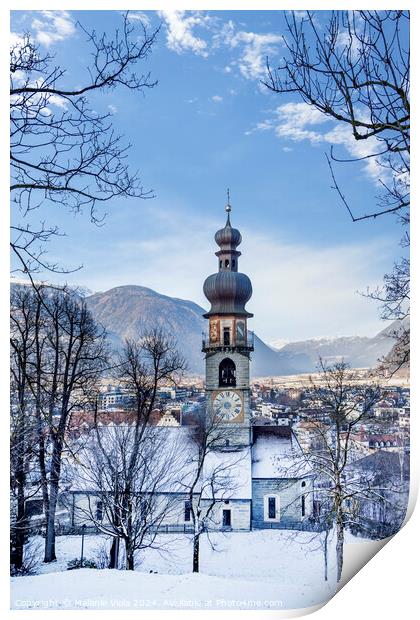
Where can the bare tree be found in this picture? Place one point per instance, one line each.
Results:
(133, 477)
(212, 476)
(394, 297)
(22, 341)
(63, 152)
(129, 498)
(342, 407)
(355, 70)
(69, 354)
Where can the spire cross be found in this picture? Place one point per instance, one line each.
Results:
(228, 207)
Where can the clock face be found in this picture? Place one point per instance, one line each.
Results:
(228, 405)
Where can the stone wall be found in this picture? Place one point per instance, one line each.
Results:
(78, 506)
(290, 493)
(241, 362)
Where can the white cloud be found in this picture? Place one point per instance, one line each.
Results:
(325, 280)
(16, 38)
(180, 36)
(57, 101)
(112, 108)
(293, 276)
(53, 26)
(253, 48)
(343, 135)
(293, 120)
(299, 122)
(217, 98)
(135, 16)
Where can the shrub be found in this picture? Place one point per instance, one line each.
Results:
(31, 559)
(75, 563)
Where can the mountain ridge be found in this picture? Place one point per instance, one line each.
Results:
(125, 311)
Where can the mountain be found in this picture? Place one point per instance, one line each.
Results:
(278, 344)
(359, 352)
(125, 311)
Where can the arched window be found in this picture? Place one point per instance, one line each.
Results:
(227, 373)
(227, 263)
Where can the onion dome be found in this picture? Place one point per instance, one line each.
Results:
(228, 290)
(228, 237)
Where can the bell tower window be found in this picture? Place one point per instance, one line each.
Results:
(227, 373)
(227, 263)
(226, 336)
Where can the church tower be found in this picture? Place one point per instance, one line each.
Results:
(229, 343)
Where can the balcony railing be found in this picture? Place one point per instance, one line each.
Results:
(244, 344)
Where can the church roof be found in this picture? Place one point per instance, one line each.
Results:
(228, 290)
(277, 454)
(226, 473)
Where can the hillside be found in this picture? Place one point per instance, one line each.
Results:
(126, 311)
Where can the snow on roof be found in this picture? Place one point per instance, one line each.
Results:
(276, 456)
(226, 474)
(231, 472)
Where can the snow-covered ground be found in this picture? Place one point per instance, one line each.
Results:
(253, 570)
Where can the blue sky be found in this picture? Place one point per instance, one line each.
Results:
(209, 125)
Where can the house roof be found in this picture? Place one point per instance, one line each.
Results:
(383, 464)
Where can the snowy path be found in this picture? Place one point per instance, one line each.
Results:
(256, 570)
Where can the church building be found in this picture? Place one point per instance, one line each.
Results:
(281, 485)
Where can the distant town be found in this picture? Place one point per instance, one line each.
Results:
(270, 405)
(386, 431)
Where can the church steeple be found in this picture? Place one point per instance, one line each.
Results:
(228, 290)
(229, 343)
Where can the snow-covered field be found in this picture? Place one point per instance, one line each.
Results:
(253, 570)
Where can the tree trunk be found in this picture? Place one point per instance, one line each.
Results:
(129, 555)
(113, 555)
(327, 531)
(52, 504)
(196, 553)
(18, 538)
(18, 541)
(130, 562)
(49, 555)
(340, 543)
(18, 531)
